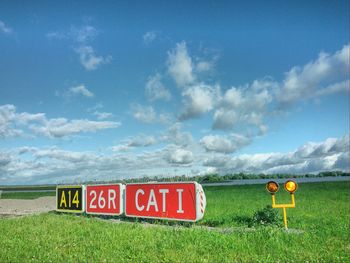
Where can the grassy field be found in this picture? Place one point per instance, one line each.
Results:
(319, 224)
(26, 195)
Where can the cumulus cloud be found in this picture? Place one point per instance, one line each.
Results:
(120, 148)
(343, 86)
(142, 141)
(133, 142)
(81, 90)
(204, 66)
(176, 136)
(54, 165)
(312, 157)
(198, 100)
(224, 144)
(61, 127)
(245, 105)
(180, 65)
(147, 114)
(82, 38)
(312, 78)
(4, 28)
(155, 89)
(219, 160)
(9, 120)
(14, 124)
(89, 59)
(5, 159)
(149, 37)
(180, 157)
(84, 33)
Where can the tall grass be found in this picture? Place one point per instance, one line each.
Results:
(321, 219)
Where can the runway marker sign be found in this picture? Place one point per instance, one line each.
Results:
(105, 199)
(175, 201)
(70, 198)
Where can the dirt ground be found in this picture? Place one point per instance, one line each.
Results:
(17, 207)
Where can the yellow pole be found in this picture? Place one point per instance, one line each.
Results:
(285, 218)
(273, 200)
(293, 199)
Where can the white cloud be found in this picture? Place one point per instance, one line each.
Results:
(4, 28)
(199, 99)
(204, 66)
(304, 82)
(343, 86)
(141, 141)
(155, 89)
(180, 65)
(149, 37)
(225, 119)
(61, 127)
(8, 121)
(248, 106)
(224, 144)
(81, 90)
(120, 148)
(165, 118)
(147, 114)
(180, 157)
(58, 154)
(102, 115)
(219, 160)
(89, 59)
(84, 33)
(14, 124)
(309, 158)
(245, 105)
(54, 165)
(5, 159)
(176, 136)
(82, 36)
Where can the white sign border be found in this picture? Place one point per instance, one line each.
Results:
(197, 189)
(121, 201)
(82, 197)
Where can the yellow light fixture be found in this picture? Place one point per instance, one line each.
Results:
(291, 186)
(272, 187)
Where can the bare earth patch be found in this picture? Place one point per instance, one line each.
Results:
(18, 207)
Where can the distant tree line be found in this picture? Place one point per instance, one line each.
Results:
(208, 178)
(213, 178)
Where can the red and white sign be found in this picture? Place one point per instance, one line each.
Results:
(176, 201)
(105, 199)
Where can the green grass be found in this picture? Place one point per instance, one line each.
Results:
(26, 195)
(321, 215)
(27, 187)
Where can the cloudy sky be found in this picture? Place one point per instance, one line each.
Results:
(159, 88)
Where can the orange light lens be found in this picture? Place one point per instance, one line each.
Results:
(291, 186)
(272, 187)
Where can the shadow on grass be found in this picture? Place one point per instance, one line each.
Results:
(264, 217)
(123, 218)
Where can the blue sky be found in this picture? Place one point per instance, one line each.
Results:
(125, 89)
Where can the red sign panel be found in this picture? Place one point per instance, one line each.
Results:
(177, 201)
(104, 199)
